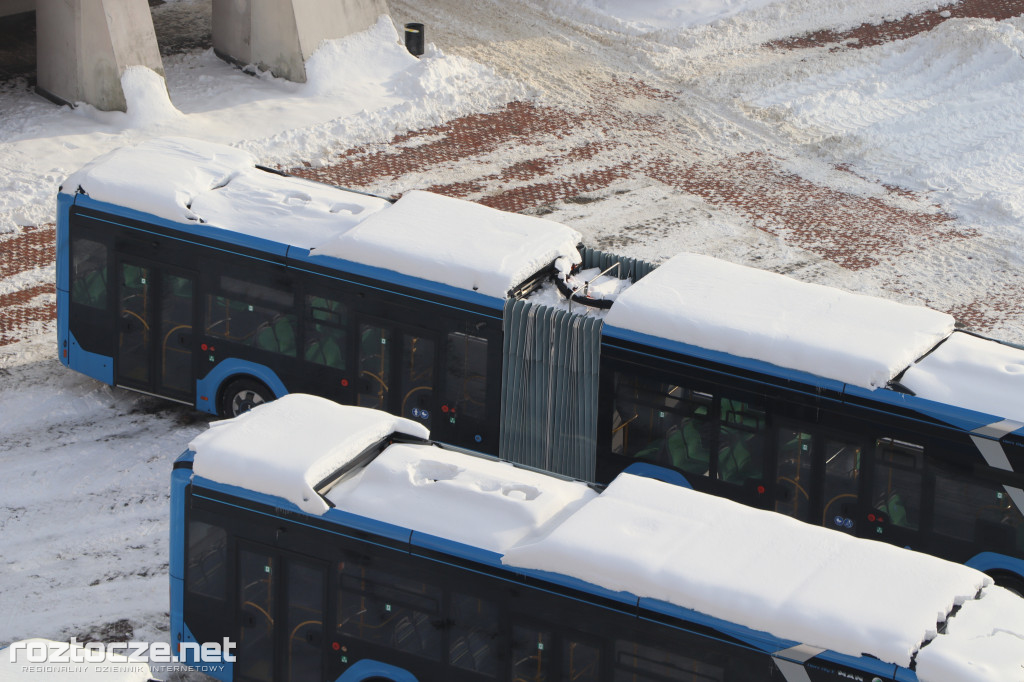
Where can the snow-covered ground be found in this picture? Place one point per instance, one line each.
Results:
(85, 468)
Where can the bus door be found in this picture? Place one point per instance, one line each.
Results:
(280, 616)
(155, 308)
(397, 370)
(818, 478)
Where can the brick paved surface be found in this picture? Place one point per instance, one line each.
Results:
(867, 35)
(561, 156)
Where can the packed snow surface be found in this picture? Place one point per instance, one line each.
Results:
(973, 373)
(756, 314)
(288, 446)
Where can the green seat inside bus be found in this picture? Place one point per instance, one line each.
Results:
(682, 448)
(897, 511)
(277, 336)
(735, 462)
(326, 350)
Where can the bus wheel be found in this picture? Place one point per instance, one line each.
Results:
(241, 395)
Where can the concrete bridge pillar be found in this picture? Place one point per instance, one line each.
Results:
(83, 47)
(280, 35)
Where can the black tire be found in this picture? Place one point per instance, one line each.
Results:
(241, 395)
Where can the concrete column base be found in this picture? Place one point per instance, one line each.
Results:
(83, 47)
(280, 35)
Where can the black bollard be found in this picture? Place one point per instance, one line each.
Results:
(414, 39)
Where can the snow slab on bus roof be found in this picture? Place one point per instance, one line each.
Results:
(765, 316)
(982, 643)
(456, 242)
(760, 569)
(287, 446)
(972, 373)
(189, 181)
(472, 500)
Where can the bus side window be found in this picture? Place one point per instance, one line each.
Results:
(326, 332)
(580, 662)
(793, 474)
(255, 314)
(637, 662)
(530, 654)
(977, 511)
(896, 493)
(378, 604)
(663, 423)
(89, 267)
(374, 366)
(740, 441)
(206, 564)
(842, 473)
(473, 638)
(466, 376)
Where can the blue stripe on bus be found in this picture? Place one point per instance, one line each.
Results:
(281, 506)
(959, 418)
(296, 255)
(208, 388)
(764, 641)
(186, 229)
(342, 266)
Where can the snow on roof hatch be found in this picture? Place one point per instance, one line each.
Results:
(460, 243)
(752, 313)
(472, 500)
(287, 446)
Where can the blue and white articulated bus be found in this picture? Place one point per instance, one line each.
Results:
(317, 541)
(186, 271)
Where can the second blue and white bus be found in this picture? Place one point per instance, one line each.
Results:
(336, 543)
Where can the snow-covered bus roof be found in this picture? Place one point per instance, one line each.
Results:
(750, 313)
(429, 236)
(651, 539)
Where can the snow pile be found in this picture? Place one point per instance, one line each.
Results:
(973, 373)
(280, 122)
(146, 98)
(286, 447)
(475, 501)
(755, 568)
(938, 112)
(751, 313)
